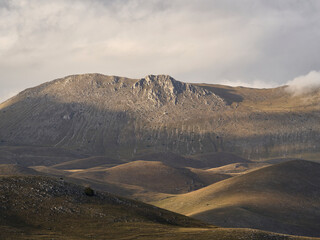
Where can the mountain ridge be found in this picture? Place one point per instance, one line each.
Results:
(122, 117)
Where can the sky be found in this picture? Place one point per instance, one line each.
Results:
(256, 43)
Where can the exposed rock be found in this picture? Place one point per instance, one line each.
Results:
(164, 89)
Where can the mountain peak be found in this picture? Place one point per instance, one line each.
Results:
(165, 89)
(161, 81)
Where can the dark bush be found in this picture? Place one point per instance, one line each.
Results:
(89, 191)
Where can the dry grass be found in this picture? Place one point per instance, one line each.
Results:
(45, 208)
(282, 197)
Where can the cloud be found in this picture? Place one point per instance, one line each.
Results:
(304, 84)
(4, 95)
(194, 41)
(252, 84)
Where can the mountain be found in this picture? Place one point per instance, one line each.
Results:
(282, 198)
(49, 208)
(97, 115)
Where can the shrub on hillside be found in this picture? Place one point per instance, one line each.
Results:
(89, 191)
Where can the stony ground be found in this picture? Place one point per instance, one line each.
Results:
(46, 208)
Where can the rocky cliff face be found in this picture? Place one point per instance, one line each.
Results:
(121, 117)
(163, 89)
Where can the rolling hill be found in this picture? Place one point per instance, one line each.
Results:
(151, 176)
(281, 198)
(85, 163)
(208, 177)
(218, 159)
(48, 208)
(238, 168)
(205, 160)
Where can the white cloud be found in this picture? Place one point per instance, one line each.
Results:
(252, 84)
(304, 84)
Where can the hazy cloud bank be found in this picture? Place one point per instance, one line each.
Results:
(196, 41)
(304, 84)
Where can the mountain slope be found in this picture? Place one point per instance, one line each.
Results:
(94, 114)
(36, 155)
(282, 198)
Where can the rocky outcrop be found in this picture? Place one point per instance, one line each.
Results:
(164, 89)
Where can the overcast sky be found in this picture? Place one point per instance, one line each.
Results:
(258, 43)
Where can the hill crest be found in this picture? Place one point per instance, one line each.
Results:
(283, 197)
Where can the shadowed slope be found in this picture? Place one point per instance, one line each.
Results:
(41, 203)
(238, 168)
(46, 208)
(217, 159)
(208, 177)
(90, 162)
(36, 155)
(205, 160)
(282, 198)
(14, 169)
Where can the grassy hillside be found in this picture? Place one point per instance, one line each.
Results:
(281, 198)
(46, 208)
